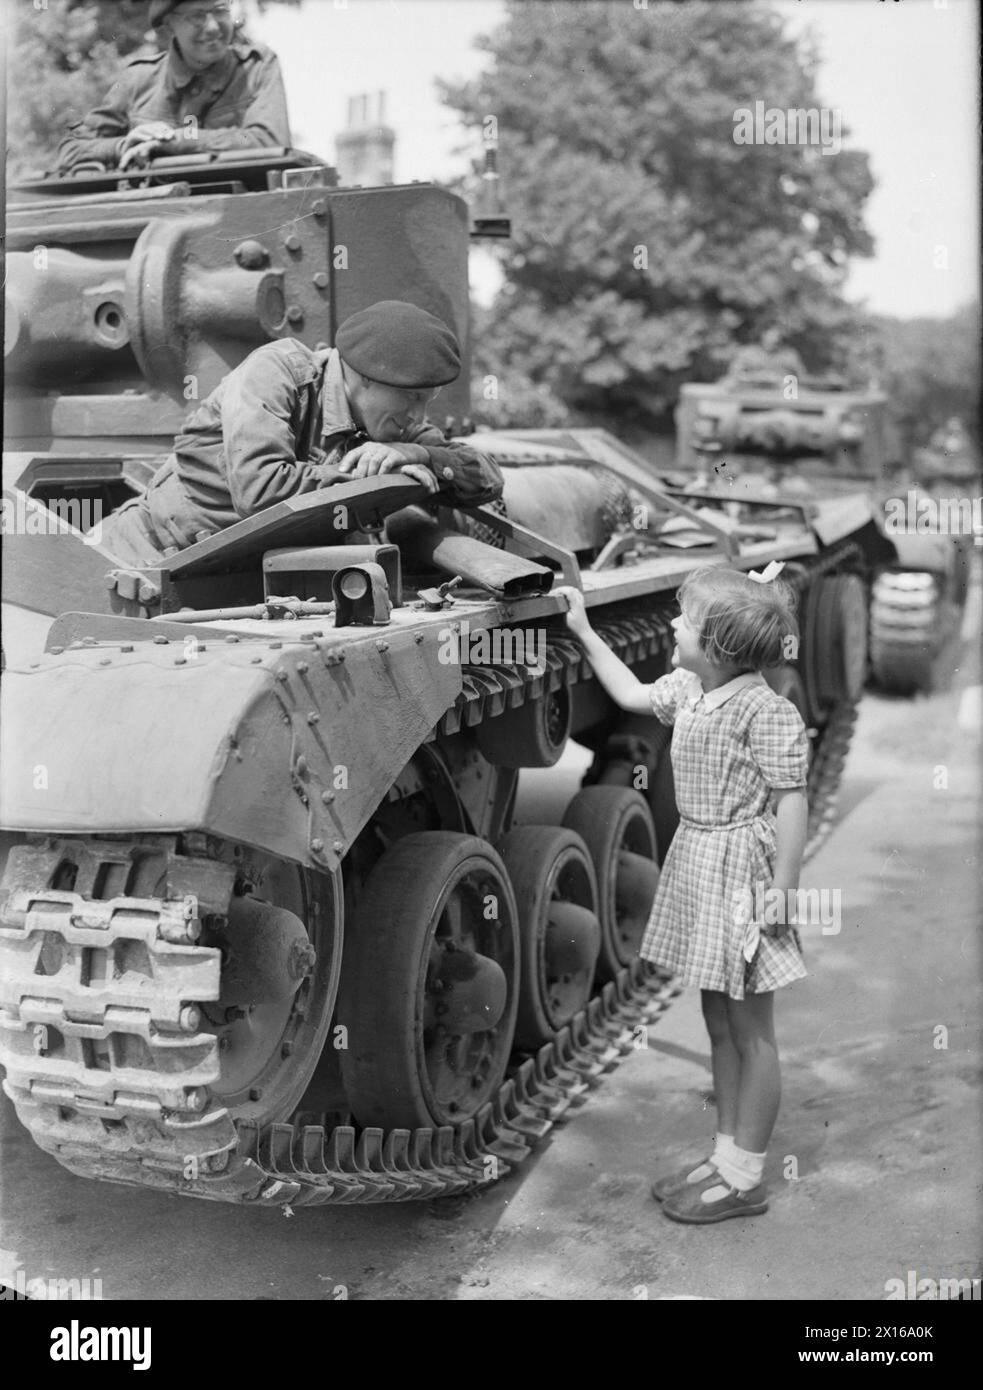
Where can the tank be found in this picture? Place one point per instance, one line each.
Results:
(767, 426)
(270, 931)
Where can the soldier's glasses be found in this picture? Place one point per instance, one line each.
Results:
(198, 19)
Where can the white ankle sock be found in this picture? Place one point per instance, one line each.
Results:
(741, 1169)
(723, 1143)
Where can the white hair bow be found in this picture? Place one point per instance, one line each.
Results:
(771, 571)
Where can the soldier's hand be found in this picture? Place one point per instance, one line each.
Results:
(420, 473)
(145, 133)
(143, 142)
(367, 460)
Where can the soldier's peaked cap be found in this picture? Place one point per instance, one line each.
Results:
(399, 344)
(160, 9)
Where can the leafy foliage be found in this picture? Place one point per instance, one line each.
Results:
(648, 245)
(930, 369)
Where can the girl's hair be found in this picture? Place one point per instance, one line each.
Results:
(741, 622)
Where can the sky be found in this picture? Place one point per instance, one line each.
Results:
(903, 73)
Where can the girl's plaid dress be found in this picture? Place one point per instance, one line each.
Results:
(731, 747)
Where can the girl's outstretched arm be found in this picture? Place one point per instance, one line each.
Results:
(618, 680)
(791, 817)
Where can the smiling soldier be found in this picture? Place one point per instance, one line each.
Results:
(206, 90)
(290, 419)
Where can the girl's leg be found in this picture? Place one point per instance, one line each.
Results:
(760, 1090)
(724, 1059)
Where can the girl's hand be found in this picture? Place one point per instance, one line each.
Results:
(577, 620)
(789, 915)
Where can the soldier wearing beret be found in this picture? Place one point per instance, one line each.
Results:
(290, 419)
(207, 90)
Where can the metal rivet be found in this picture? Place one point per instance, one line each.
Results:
(292, 241)
(254, 661)
(281, 676)
(251, 255)
(105, 661)
(317, 846)
(382, 646)
(275, 646)
(127, 647)
(418, 638)
(313, 717)
(180, 661)
(56, 651)
(319, 208)
(320, 279)
(231, 638)
(338, 846)
(327, 798)
(295, 313)
(162, 641)
(302, 668)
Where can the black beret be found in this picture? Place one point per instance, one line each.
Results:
(399, 344)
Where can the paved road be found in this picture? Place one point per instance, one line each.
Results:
(874, 1168)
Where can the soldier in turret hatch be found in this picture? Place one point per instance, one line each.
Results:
(207, 90)
(289, 420)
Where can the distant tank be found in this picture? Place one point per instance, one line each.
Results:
(766, 427)
(269, 929)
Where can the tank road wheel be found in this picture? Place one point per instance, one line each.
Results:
(556, 891)
(907, 630)
(835, 665)
(534, 735)
(616, 825)
(281, 960)
(429, 984)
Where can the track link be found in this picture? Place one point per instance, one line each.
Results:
(109, 1080)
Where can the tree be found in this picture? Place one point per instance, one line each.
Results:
(648, 244)
(929, 369)
(64, 57)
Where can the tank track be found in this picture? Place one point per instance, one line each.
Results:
(826, 772)
(909, 626)
(147, 1131)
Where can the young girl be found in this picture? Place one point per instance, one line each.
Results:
(737, 747)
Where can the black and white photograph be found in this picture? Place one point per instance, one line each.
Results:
(490, 781)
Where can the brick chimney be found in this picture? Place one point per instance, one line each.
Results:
(364, 151)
